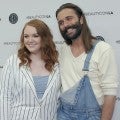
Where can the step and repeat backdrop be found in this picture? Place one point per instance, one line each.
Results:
(103, 17)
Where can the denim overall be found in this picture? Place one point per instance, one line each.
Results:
(79, 102)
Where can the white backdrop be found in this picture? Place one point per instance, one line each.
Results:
(103, 17)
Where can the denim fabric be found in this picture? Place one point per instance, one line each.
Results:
(79, 102)
(85, 106)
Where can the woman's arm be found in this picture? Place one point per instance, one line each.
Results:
(5, 93)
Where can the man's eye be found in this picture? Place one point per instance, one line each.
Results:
(36, 35)
(60, 23)
(69, 18)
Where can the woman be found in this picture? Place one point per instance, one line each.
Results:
(30, 80)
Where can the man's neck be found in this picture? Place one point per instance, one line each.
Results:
(77, 47)
(78, 43)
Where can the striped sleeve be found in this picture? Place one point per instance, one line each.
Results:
(6, 88)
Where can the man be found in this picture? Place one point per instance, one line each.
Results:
(81, 58)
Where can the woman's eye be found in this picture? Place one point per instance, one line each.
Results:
(25, 36)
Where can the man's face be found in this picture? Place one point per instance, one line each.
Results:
(69, 24)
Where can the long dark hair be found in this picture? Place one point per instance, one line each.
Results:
(86, 33)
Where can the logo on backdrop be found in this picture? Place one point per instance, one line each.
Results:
(38, 16)
(11, 43)
(1, 66)
(99, 13)
(118, 41)
(13, 18)
(59, 42)
(100, 38)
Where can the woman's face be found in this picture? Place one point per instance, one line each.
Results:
(32, 40)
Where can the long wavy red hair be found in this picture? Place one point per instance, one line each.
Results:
(48, 49)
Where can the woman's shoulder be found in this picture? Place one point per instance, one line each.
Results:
(13, 59)
(56, 66)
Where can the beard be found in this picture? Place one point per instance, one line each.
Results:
(69, 38)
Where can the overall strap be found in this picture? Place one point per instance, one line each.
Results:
(88, 57)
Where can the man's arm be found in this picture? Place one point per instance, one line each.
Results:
(108, 107)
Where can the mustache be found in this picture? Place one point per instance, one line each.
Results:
(68, 27)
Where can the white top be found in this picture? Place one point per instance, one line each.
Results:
(102, 70)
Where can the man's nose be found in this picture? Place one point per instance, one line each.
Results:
(66, 24)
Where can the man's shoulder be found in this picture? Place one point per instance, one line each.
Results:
(103, 45)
